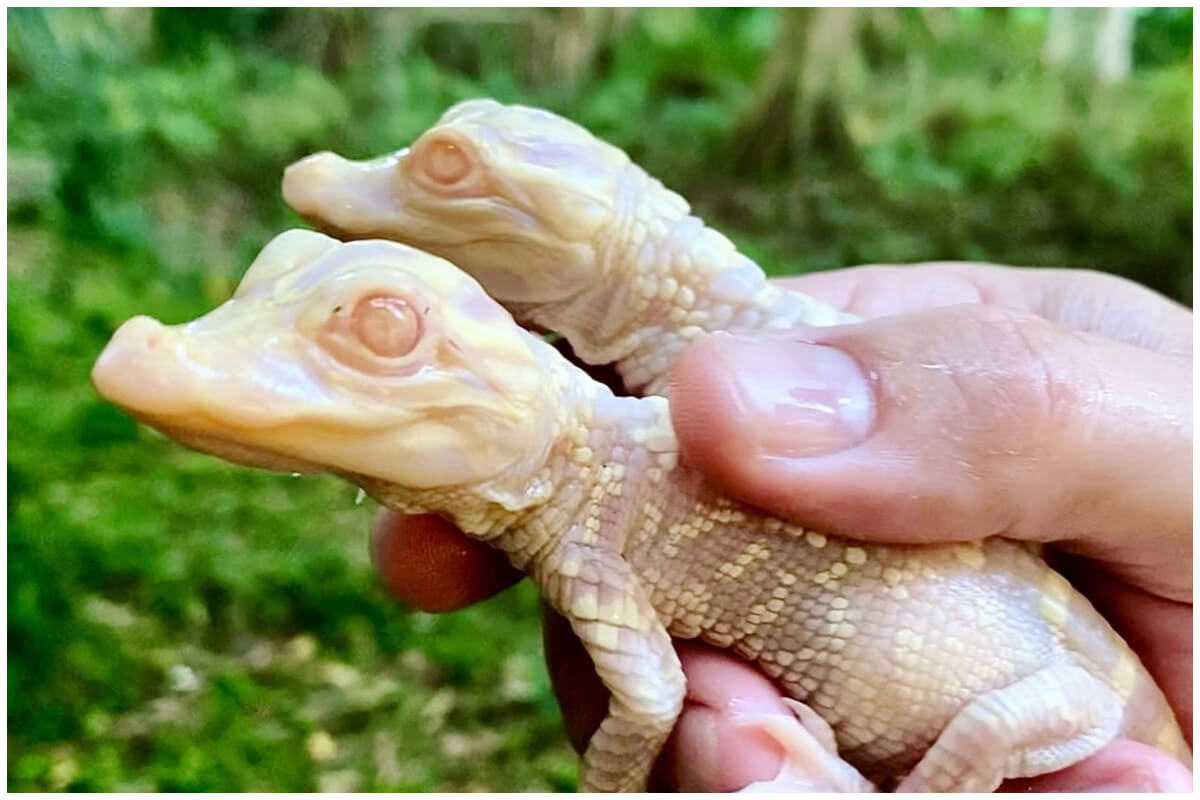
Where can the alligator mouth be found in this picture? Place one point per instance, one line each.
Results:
(330, 229)
(228, 447)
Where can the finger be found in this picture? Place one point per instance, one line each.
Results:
(1084, 300)
(580, 692)
(428, 564)
(708, 751)
(1123, 766)
(953, 423)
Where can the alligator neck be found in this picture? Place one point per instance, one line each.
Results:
(669, 279)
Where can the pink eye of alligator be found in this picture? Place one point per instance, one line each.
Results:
(386, 325)
(445, 162)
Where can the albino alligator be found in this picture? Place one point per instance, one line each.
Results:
(939, 667)
(560, 227)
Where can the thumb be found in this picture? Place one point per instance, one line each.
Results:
(950, 424)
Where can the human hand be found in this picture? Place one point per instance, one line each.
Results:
(1037, 404)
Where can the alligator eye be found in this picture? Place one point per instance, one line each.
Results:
(445, 162)
(386, 325)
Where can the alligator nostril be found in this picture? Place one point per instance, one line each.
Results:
(141, 334)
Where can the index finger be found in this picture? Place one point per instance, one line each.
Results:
(427, 563)
(1084, 300)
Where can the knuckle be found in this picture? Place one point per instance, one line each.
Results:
(1035, 376)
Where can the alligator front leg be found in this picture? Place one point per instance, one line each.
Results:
(611, 614)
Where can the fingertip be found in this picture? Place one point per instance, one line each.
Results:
(705, 413)
(709, 751)
(427, 563)
(780, 447)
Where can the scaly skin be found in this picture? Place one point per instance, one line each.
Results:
(942, 667)
(560, 227)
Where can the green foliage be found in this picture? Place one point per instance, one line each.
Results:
(179, 624)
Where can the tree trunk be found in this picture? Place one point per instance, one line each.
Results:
(1113, 47)
(796, 106)
(1062, 37)
(579, 35)
(1094, 44)
(763, 141)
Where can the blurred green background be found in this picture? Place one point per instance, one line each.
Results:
(178, 624)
